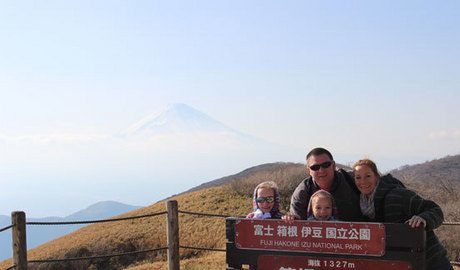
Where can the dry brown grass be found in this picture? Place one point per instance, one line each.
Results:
(146, 233)
(213, 260)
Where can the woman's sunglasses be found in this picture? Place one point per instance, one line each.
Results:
(324, 165)
(265, 199)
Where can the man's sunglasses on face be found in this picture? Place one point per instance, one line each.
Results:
(265, 199)
(323, 165)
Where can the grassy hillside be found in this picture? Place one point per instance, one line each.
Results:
(232, 197)
(145, 233)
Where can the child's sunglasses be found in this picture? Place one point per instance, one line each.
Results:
(265, 199)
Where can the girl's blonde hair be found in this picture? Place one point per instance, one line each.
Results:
(268, 184)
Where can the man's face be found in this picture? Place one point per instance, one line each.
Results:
(322, 174)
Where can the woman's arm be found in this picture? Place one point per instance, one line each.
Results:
(416, 209)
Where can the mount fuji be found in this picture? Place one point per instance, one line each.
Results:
(174, 119)
(178, 122)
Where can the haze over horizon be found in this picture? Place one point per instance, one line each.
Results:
(362, 79)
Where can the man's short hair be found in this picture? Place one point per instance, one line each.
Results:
(319, 151)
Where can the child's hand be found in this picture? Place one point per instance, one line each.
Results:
(415, 221)
(250, 215)
(289, 218)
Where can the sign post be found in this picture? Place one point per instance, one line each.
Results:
(323, 245)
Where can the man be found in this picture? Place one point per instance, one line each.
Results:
(323, 175)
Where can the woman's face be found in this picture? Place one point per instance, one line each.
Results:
(365, 179)
(266, 199)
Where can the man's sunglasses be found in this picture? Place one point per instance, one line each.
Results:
(265, 199)
(324, 165)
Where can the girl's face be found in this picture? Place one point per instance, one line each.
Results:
(265, 199)
(322, 208)
(365, 179)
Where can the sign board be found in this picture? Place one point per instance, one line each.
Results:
(269, 262)
(330, 237)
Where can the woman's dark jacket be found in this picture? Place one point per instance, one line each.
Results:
(396, 204)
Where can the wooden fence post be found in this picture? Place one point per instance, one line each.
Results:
(173, 235)
(18, 220)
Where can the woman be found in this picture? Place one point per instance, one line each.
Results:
(384, 199)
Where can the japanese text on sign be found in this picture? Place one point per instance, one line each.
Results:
(312, 236)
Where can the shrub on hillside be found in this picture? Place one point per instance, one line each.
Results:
(286, 175)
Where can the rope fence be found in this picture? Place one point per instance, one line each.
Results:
(450, 223)
(17, 266)
(6, 228)
(206, 249)
(202, 214)
(95, 221)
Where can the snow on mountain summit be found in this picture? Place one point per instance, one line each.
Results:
(177, 118)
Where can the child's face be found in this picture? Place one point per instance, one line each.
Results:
(263, 196)
(322, 208)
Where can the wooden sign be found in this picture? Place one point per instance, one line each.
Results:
(355, 238)
(268, 262)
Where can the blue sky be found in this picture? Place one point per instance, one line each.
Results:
(377, 79)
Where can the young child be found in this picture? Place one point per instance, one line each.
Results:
(266, 201)
(322, 206)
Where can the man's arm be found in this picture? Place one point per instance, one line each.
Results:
(299, 201)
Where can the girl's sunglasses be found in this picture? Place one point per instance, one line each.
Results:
(265, 199)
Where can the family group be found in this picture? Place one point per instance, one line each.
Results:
(360, 195)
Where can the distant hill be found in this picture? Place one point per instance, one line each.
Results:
(230, 195)
(37, 235)
(438, 179)
(268, 167)
(101, 210)
(446, 169)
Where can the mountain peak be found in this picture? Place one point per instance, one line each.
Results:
(175, 118)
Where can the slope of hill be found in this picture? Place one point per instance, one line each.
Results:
(438, 180)
(145, 233)
(266, 168)
(446, 169)
(232, 198)
(37, 235)
(284, 173)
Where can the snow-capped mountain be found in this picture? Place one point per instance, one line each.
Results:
(178, 119)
